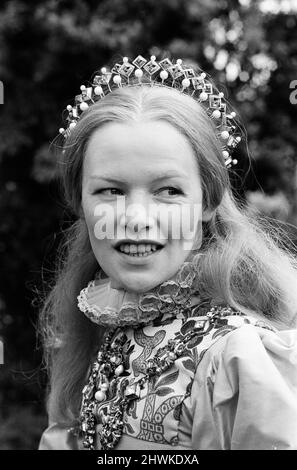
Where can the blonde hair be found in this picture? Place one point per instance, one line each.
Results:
(245, 261)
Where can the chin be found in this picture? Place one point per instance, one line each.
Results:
(140, 285)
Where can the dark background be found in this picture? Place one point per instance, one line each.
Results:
(47, 50)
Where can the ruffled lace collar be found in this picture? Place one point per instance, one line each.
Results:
(113, 307)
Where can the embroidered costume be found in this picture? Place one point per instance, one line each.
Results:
(224, 380)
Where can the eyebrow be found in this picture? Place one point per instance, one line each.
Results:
(162, 176)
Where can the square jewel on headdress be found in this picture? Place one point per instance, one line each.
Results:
(215, 101)
(208, 88)
(232, 142)
(70, 116)
(78, 99)
(86, 95)
(139, 61)
(102, 79)
(165, 64)
(151, 67)
(189, 73)
(196, 82)
(126, 69)
(175, 71)
(116, 68)
(74, 112)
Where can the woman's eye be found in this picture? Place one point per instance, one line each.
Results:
(109, 191)
(167, 191)
(171, 191)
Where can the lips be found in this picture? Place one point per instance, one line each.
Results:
(130, 241)
(140, 248)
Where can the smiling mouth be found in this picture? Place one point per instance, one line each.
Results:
(139, 250)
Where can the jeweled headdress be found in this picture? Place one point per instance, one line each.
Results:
(166, 73)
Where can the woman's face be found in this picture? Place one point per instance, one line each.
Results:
(142, 202)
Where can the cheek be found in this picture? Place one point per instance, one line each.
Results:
(102, 223)
(88, 208)
(182, 221)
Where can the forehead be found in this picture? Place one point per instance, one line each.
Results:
(154, 145)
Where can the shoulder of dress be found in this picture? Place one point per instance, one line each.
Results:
(214, 325)
(251, 354)
(250, 347)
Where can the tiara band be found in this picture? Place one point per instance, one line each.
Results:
(163, 73)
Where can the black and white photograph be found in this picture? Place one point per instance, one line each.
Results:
(148, 230)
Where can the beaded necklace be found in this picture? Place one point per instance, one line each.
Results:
(108, 367)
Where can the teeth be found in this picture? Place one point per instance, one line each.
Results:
(138, 250)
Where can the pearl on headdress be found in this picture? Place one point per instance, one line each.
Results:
(117, 79)
(203, 96)
(216, 114)
(186, 83)
(83, 106)
(138, 73)
(234, 161)
(163, 75)
(225, 135)
(98, 90)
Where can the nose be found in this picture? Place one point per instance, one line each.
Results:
(136, 217)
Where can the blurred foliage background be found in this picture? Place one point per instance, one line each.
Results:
(48, 49)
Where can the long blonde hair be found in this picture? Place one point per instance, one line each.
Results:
(246, 262)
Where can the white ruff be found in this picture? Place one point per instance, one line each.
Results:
(113, 307)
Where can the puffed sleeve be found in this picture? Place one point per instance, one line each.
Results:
(244, 395)
(57, 437)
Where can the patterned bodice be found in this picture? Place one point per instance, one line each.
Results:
(155, 415)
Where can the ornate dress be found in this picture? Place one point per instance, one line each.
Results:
(195, 376)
